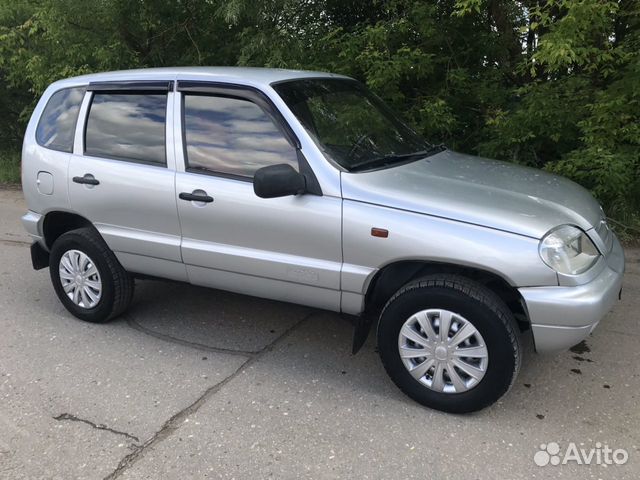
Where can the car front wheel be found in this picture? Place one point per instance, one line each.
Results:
(449, 343)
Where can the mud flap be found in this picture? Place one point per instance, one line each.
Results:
(361, 328)
(39, 256)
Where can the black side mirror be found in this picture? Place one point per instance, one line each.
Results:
(278, 181)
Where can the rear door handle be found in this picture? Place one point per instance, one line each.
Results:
(88, 179)
(196, 197)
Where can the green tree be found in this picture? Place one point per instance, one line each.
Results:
(548, 83)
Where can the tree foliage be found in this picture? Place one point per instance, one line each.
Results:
(548, 83)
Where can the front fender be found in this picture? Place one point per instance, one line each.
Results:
(418, 237)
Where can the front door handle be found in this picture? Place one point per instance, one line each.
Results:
(88, 179)
(196, 197)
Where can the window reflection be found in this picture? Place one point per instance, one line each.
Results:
(127, 126)
(232, 136)
(57, 125)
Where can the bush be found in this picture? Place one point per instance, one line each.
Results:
(9, 167)
(553, 84)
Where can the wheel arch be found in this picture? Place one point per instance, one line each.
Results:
(390, 278)
(59, 222)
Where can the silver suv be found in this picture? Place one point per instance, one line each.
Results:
(304, 187)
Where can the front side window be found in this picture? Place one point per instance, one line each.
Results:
(350, 124)
(57, 126)
(127, 126)
(232, 136)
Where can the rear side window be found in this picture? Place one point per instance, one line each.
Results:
(127, 126)
(232, 136)
(57, 125)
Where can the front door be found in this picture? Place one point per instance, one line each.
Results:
(285, 248)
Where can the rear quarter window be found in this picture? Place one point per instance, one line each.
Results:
(57, 124)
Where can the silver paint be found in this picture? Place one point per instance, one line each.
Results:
(563, 316)
(318, 250)
(478, 191)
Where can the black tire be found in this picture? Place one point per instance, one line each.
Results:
(477, 304)
(117, 283)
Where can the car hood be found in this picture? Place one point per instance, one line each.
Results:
(477, 190)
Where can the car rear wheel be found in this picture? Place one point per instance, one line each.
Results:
(449, 343)
(87, 277)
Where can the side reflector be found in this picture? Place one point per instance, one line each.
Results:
(379, 232)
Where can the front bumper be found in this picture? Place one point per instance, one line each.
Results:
(563, 316)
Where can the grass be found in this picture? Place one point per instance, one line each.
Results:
(10, 166)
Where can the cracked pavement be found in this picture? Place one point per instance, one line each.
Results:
(197, 383)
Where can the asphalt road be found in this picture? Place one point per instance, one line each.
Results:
(196, 383)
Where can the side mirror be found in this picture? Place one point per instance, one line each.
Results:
(278, 181)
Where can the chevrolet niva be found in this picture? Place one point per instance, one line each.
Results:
(304, 187)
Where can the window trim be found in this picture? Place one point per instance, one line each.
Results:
(239, 92)
(132, 85)
(75, 124)
(128, 91)
(245, 92)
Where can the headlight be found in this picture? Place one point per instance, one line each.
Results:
(568, 250)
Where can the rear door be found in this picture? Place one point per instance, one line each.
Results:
(285, 248)
(121, 175)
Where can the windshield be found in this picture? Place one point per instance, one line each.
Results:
(351, 125)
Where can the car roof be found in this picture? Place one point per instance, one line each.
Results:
(241, 75)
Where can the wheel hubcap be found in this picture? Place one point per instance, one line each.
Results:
(443, 351)
(80, 279)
